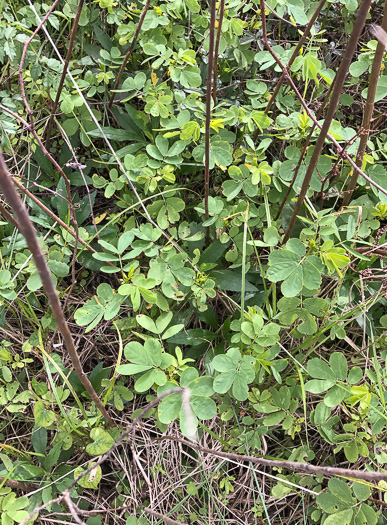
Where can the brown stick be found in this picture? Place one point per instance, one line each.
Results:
(10, 218)
(291, 465)
(208, 113)
(130, 51)
(216, 53)
(64, 72)
(27, 229)
(368, 109)
(337, 90)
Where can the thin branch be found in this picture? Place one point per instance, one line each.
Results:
(291, 465)
(336, 93)
(10, 218)
(369, 105)
(27, 229)
(130, 51)
(64, 72)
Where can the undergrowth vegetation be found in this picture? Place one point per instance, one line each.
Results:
(208, 185)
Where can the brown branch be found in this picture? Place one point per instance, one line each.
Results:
(130, 51)
(15, 484)
(10, 218)
(64, 72)
(27, 229)
(369, 106)
(208, 113)
(292, 465)
(337, 90)
(216, 52)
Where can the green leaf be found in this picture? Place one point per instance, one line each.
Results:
(318, 369)
(334, 397)
(147, 323)
(343, 517)
(351, 451)
(172, 330)
(169, 408)
(297, 271)
(149, 354)
(204, 408)
(91, 480)
(102, 442)
(236, 372)
(355, 375)
(316, 386)
(330, 503)
(361, 491)
(43, 418)
(339, 365)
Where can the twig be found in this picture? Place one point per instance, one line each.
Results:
(369, 107)
(27, 229)
(130, 51)
(5, 213)
(336, 93)
(64, 72)
(292, 465)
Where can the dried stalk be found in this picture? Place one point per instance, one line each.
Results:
(337, 90)
(27, 229)
(369, 105)
(130, 51)
(208, 112)
(64, 72)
